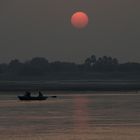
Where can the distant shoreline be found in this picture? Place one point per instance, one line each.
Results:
(70, 85)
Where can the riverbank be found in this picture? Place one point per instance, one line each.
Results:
(101, 85)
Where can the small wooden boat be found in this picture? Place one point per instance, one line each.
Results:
(38, 98)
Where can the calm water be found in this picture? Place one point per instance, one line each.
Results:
(72, 116)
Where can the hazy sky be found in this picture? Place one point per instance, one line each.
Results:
(30, 28)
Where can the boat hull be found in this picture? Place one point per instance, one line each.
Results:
(24, 98)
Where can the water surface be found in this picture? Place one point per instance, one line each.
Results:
(71, 116)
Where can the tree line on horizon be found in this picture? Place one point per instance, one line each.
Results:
(40, 66)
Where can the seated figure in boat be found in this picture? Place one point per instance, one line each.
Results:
(40, 94)
(27, 94)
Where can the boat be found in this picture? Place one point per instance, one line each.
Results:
(30, 98)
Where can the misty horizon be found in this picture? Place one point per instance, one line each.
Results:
(62, 60)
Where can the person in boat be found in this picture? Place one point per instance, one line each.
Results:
(27, 94)
(40, 94)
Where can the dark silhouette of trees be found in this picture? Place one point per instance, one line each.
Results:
(129, 67)
(39, 61)
(37, 66)
(63, 67)
(14, 66)
(102, 64)
(3, 68)
(106, 64)
(40, 66)
(90, 61)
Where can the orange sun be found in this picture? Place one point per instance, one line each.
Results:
(79, 20)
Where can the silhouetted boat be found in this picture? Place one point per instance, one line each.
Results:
(26, 98)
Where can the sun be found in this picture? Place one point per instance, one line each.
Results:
(79, 20)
